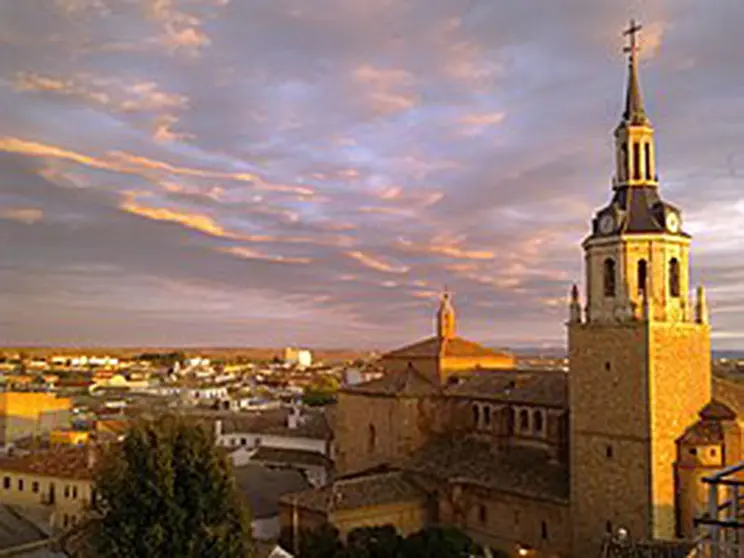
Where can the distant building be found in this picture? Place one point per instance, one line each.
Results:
(30, 413)
(298, 357)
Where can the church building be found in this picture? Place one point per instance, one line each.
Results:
(544, 462)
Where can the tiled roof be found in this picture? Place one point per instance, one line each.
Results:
(264, 487)
(615, 548)
(524, 471)
(433, 347)
(291, 457)
(314, 424)
(703, 432)
(715, 410)
(58, 462)
(365, 490)
(537, 387)
(410, 383)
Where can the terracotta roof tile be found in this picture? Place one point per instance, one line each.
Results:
(315, 424)
(433, 347)
(363, 491)
(537, 387)
(266, 454)
(715, 410)
(525, 471)
(410, 383)
(703, 432)
(59, 462)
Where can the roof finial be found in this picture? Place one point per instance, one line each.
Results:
(634, 112)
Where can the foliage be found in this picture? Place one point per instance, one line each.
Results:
(316, 398)
(374, 542)
(165, 491)
(440, 542)
(323, 542)
(383, 542)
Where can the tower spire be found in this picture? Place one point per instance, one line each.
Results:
(634, 112)
(446, 316)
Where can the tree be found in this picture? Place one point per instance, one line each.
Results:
(440, 542)
(374, 542)
(164, 491)
(321, 542)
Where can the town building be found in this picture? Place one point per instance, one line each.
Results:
(31, 413)
(548, 462)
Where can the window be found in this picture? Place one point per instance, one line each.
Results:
(482, 514)
(642, 276)
(66, 520)
(511, 418)
(34, 487)
(524, 420)
(607, 365)
(20, 485)
(538, 418)
(544, 530)
(487, 415)
(610, 452)
(609, 277)
(6, 483)
(648, 161)
(636, 161)
(67, 491)
(476, 415)
(624, 162)
(713, 452)
(608, 526)
(674, 277)
(371, 438)
(243, 441)
(74, 492)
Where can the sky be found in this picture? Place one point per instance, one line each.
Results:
(294, 172)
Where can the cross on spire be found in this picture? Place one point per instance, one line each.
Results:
(632, 32)
(634, 113)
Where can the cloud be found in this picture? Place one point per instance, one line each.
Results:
(27, 215)
(203, 157)
(250, 254)
(377, 263)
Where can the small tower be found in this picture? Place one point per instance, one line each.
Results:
(445, 317)
(701, 307)
(574, 307)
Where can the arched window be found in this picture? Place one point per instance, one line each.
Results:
(609, 277)
(476, 415)
(648, 161)
(524, 420)
(537, 417)
(371, 439)
(487, 415)
(642, 276)
(624, 162)
(674, 277)
(636, 160)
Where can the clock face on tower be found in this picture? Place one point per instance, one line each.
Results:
(672, 223)
(606, 224)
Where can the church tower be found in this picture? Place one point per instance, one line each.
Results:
(639, 350)
(446, 317)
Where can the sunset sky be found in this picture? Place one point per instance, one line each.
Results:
(273, 172)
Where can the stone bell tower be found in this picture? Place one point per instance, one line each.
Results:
(639, 351)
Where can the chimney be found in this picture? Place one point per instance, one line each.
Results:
(294, 418)
(91, 457)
